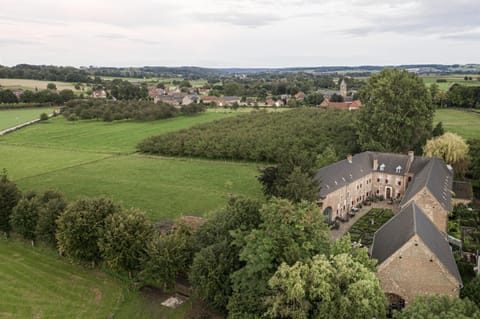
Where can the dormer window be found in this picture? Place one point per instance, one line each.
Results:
(382, 167)
(398, 169)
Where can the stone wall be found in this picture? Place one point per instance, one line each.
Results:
(414, 270)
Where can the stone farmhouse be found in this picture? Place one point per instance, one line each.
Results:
(412, 248)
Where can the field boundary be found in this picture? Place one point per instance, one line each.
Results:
(20, 126)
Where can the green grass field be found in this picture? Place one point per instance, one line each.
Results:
(451, 79)
(462, 122)
(10, 118)
(164, 188)
(94, 158)
(37, 283)
(99, 136)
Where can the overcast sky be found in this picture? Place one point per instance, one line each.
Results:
(240, 33)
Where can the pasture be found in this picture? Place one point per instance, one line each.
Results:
(450, 80)
(463, 122)
(95, 158)
(99, 136)
(27, 84)
(37, 283)
(10, 118)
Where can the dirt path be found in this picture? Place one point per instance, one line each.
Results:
(19, 126)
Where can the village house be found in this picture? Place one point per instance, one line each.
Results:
(300, 96)
(209, 99)
(414, 242)
(99, 94)
(348, 105)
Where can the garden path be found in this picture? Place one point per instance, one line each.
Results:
(344, 227)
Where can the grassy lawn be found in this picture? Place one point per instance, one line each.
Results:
(363, 230)
(464, 123)
(451, 79)
(164, 188)
(37, 283)
(10, 118)
(99, 136)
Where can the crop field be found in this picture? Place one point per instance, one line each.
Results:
(450, 80)
(27, 84)
(37, 283)
(154, 80)
(94, 158)
(463, 122)
(10, 118)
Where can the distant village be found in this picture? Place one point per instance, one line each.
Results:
(174, 96)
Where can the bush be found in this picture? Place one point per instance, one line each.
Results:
(43, 117)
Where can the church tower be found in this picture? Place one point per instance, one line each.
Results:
(343, 88)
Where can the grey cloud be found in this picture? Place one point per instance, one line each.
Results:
(423, 18)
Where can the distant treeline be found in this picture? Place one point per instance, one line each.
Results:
(43, 96)
(101, 109)
(45, 72)
(261, 136)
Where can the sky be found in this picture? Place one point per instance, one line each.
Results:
(239, 33)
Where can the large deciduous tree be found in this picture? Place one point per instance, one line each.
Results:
(80, 227)
(288, 233)
(397, 114)
(218, 256)
(124, 240)
(335, 287)
(9, 197)
(53, 204)
(452, 148)
(25, 216)
(439, 307)
(168, 256)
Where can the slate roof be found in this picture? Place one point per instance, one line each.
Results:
(402, 227)
(340, 174)
(437, 178)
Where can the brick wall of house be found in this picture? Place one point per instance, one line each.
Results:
(343, 199)
(382, 180)
(432, 208)
(414, 274)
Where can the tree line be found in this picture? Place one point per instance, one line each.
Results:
(42, 96)
(108, 111)
(45, 72)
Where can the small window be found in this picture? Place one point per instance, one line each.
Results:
(378, 180)
(386, 181)
(378, 192)
(409, 178)
(399, 183)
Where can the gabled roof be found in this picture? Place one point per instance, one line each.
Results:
(437, 178)
(340, 174)
(402, 227)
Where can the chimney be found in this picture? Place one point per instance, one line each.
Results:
(411, 156)
(375, 164)
(349, 158)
